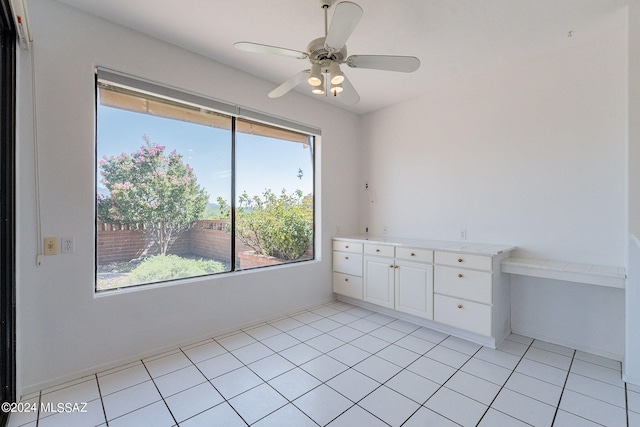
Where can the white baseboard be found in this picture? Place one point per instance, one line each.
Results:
(570, 344)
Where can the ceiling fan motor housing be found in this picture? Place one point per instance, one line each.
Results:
(318, 53)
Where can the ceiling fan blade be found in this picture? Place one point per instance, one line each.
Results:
(349, 95)
(344, 21)
(289, 84)
(404, 64)
(274, 50)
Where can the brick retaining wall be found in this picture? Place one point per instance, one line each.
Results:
(207, 238)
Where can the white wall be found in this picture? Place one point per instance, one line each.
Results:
(532, 155)
(63, 328)
(632, 335)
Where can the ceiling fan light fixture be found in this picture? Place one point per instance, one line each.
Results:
(318, 90)
(315, 76)
(337, 76)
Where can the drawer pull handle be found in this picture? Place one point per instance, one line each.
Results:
(346, 247)
(460, 275)
(397, 266)
(346, 257)
(391, 266)
(459, 305)
(377, 250)
(460, 260)
(412, 254)
(346, 280)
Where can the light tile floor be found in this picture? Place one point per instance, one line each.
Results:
(342, 365)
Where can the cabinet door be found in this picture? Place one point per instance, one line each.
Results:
(414, 288)
(378, 281)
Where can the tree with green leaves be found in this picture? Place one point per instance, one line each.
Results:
(154, 191)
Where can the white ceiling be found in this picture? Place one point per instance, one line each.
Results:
(453, 39)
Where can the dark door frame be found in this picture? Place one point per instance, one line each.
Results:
(7, 207)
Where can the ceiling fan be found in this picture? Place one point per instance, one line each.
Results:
(327, 53)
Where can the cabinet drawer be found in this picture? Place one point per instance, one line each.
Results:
(462, 314)
(418, 255)
(339, 245)
(380, 250)
(347, 263)
(478, 262)
(461, 283)
(347, 285)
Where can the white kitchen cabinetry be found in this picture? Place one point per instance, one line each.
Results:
(454, 287)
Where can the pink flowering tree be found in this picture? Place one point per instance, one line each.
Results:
(151, 190)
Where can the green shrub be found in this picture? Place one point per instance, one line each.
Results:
(279, 226)
(167, 267)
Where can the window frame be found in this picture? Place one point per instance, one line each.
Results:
(236, 113)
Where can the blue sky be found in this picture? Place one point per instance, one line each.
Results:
(262, 163)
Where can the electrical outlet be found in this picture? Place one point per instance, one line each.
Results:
(67, 245)
(50, 246)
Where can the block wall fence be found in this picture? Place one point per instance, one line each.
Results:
(207, 238)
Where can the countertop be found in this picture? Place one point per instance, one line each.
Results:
(438, 245)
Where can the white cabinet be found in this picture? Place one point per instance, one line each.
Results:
(390, 280)
(414, 288)
(379, 280)
(470, 295)
(347, 269)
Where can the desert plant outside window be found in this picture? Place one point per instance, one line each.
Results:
(185, 187)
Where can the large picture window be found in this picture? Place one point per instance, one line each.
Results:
(185, 190)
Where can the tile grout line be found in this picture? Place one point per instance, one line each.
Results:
(159, 393)
(39, 405)
(104, 411)
(555, 414)
(504, 384)
(626, 402)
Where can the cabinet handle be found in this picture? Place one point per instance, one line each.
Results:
(391, 266)
(377, 250)
(459, 305)
(460, 275)
(412, 254)
(346, 247)
(346, 280)
(460, 260)
(397, 266)
(346, 257)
